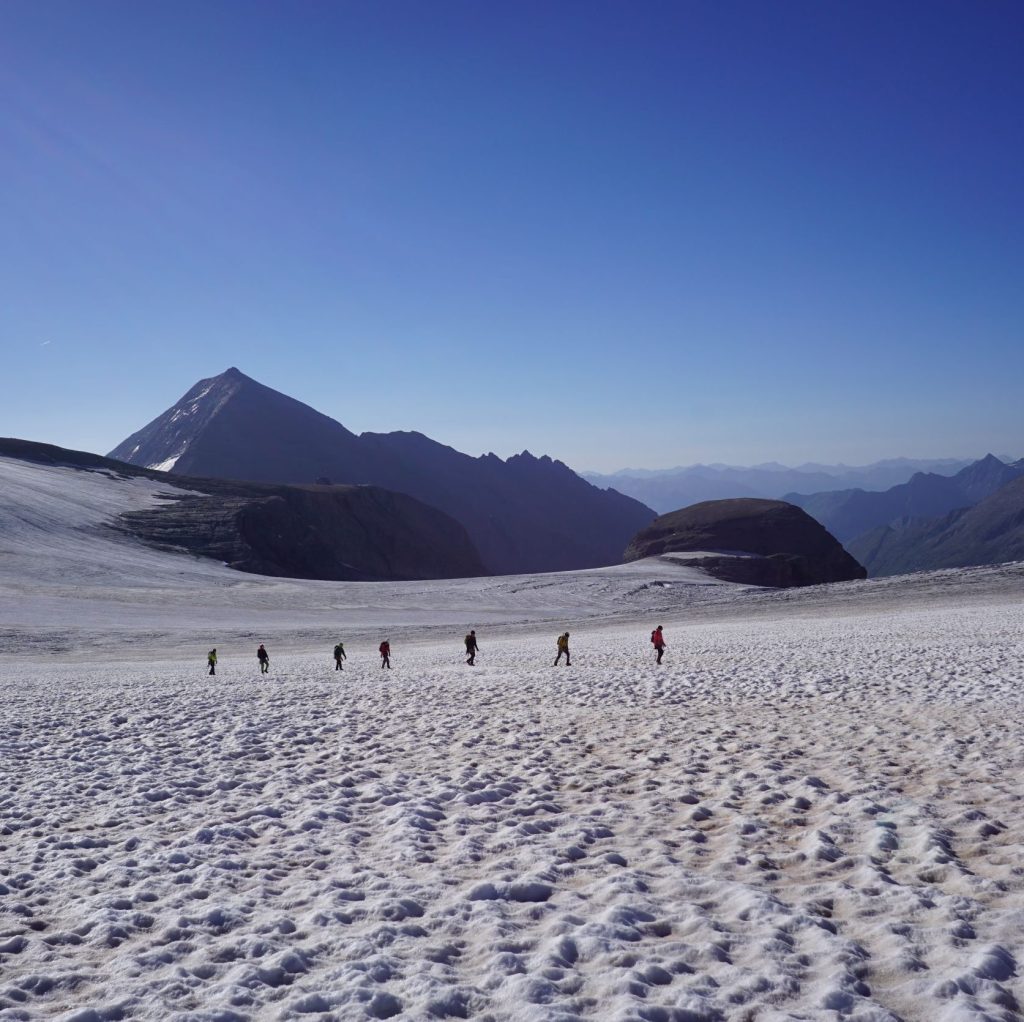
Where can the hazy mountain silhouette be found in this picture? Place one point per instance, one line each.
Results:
(990, 532)
(667, 489)
(850, 513)
(523, 514)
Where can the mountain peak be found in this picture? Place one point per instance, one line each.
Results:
(230, 375)
(522, 515)
(990, 463)
(225, 416)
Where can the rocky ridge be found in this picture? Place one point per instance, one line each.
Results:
(523, 514)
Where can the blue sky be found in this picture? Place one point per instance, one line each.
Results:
(635, 234)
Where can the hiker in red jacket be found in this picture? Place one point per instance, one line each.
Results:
(659, 643)
(385, 655)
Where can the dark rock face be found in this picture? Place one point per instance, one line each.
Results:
(991, 532)
(523, 514)
(355, 533)
(851, 513)
(790, 548)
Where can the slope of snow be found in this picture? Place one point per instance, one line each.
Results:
(165, 466)
(811, 810)
(68, 581)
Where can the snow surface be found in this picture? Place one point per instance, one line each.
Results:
(811, 810)
(165, 466)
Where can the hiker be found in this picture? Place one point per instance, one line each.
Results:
(264, 658)
(385, 655)
(339, 655)
(211, 659)
(659, 643)
(563, 647)
(471, 648)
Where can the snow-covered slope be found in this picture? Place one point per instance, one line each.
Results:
(69, 582)
(811, 810)
(54, 526)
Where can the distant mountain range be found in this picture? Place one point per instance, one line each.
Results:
(954, 514)
(669, 489)
(931, 521)
(990, 532)
(523, 514)
(850, 513)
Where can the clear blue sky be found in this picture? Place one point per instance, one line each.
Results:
(620, 233)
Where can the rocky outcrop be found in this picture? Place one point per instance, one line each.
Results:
(522, 514)
(355, 533)
(757, 542)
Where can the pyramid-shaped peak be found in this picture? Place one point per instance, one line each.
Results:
(232, 376)
(234, 427)
(990, 463)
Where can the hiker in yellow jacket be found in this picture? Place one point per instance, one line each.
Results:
(563, 648)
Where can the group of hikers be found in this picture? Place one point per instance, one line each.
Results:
(561, 644)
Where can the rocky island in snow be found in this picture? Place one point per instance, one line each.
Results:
(748, 539)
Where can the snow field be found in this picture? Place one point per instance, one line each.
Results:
(807, 815)
(812, 810)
